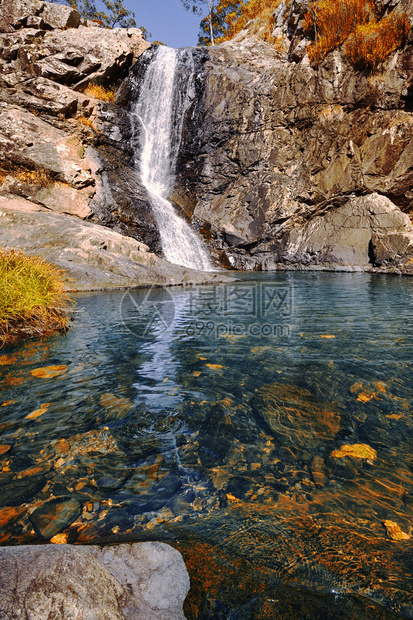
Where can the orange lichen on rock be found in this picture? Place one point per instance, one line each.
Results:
(394, 531)
(327, 336)
(4, 448)
(8, 402)
(48, 372)
(214, 366)
(355, 451)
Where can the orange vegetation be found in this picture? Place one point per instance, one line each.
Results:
(372, 43)
(368, 42)
(99, 92)
(261, 11)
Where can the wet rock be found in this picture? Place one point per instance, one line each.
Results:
(150, 498)
(355, 451)
(54, 516)
(215, 437)
(20, 491)
(395, 532)
(318, 471)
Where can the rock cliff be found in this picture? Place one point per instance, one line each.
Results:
(67, 171)
(290, 165)
(281, 164)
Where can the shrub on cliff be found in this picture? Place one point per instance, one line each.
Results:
(231, 16)
(372, 43)
(353, 22)
(33, 298)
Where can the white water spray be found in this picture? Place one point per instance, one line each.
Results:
(155, 112)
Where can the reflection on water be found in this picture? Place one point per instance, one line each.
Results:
(263, 427)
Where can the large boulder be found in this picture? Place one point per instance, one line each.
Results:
(94, 257)
(146, 581)
(16, 14)
(365, 231)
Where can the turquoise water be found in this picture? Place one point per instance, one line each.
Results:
(218, 418)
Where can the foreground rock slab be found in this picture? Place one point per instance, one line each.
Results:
(141, 581)
(94, 257)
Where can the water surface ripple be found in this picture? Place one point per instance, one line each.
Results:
(263, 427)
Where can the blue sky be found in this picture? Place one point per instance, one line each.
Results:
(167, 21)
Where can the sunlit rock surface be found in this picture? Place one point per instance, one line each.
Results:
(277, 153)
(94, 257)
(59, 147)
(144, 581)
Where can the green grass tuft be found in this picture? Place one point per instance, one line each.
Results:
(33, 297)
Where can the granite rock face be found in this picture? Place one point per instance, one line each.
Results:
(273, 143)
(60, 147)
(94, 257)
(277, 158)
(146, 581)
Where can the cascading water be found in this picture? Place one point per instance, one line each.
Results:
(161, 126)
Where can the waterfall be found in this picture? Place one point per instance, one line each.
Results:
(160, 114)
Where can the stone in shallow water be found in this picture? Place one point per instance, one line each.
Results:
(395, 532)
(48, 372)
(295, 416)
(116, 407)
(20, 491)
(52, 517)
(7, 360)
(355, 451)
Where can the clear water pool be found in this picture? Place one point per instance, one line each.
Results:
(263, 427)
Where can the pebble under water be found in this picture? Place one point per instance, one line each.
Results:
(262, 427)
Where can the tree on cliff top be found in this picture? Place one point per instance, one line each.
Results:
(221, 19)
(116, 14)
(196, 7)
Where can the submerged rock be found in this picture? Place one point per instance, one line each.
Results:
(294, 416)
